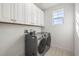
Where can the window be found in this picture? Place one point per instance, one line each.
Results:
(58, 16)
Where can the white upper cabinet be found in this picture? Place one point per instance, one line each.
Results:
(22, 13)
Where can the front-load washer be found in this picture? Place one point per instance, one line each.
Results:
(43, 43)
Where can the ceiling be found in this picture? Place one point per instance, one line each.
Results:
(45, 6)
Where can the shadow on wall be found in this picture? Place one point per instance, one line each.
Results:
(76, 44)
(77, 34)
(17, 48)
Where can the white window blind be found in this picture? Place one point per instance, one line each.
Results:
(58, 16)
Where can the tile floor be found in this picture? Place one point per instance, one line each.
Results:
(58, 52)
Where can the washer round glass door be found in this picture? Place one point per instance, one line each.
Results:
(42, 46)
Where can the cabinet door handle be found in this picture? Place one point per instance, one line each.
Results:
(13, 20)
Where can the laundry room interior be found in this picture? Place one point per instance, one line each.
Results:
(39, 29)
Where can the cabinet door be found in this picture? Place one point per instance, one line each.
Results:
(38, 17)
(37, 13)
(0, 11)
(5, 12)
(42, 18)
(19, 12)
(34, 14)
(13, 20)
(28, 13)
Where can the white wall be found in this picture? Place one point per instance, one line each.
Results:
(62, 35)
(12, 39)
(76, 29)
